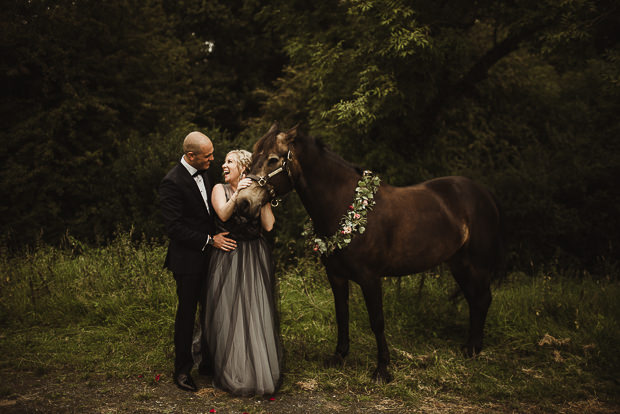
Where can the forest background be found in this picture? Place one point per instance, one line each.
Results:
(523, 97)
(97, 96)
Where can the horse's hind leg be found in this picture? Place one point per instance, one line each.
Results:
(475, 285)
(374, 305)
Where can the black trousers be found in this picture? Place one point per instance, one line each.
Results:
(190, 294)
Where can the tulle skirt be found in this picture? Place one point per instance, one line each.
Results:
(241, 323)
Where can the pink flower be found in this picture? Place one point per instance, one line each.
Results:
(365, 202)
(346, 230)
(212, 410)
(356, 216)
(157, 377)
(272, 399)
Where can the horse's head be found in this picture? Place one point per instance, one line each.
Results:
(272, 171)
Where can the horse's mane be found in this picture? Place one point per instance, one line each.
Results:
(326, 150)
(269, 139)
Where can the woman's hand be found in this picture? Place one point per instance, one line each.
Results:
(244, 183)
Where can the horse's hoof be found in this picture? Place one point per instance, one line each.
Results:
(471, 351)
(382, 375)
(334, 361)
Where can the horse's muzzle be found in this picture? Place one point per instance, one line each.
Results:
(250, 200)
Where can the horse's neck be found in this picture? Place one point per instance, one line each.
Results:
(326, 190)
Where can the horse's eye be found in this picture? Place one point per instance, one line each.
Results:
(273, 160)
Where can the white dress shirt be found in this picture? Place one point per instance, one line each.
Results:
(199, 181)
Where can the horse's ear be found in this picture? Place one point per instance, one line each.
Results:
(285, 138)
(292, 133)
(274, 127)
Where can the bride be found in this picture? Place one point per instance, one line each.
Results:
(241, 324)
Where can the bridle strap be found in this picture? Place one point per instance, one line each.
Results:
(264, 181)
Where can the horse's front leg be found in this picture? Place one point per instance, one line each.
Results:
(371, 289)
(340, 289)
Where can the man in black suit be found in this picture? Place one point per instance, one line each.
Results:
(185, 199)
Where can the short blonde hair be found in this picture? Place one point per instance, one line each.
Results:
(243, 159)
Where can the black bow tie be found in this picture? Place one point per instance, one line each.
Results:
(198, 172)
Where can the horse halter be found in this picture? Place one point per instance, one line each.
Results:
(264, 181)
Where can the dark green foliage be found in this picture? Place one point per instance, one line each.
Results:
(523, 97)
(98, 97)
(85, 79)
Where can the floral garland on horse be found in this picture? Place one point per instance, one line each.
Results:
(354, 220)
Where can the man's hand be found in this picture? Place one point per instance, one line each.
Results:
(220, 241)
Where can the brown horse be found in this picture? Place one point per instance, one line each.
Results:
(410, 229)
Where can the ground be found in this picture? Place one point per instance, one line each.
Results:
(66, 392)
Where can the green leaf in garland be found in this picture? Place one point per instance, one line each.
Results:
(354, 221)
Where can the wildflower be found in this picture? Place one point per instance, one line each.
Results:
(157, 377)
(351, 207)
(356, 216)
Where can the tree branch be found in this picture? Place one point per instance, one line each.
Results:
(466, 84)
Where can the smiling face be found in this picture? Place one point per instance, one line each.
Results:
(198, 150)
(202, 159)
(231, 168)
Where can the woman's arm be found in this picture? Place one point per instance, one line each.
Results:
(266, 217)
(223, 208)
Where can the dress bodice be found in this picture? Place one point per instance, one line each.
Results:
(240, 228)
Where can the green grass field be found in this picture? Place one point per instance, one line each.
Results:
(550, 346)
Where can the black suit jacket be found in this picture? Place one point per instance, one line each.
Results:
(188, 223)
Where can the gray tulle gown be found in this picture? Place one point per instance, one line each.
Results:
(241, 323)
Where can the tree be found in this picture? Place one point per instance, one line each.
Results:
(485, 89)
(82, 79)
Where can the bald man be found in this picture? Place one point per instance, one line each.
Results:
(185, 199)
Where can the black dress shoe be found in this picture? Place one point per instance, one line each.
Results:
(185, 382)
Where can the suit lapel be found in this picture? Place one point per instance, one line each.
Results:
(189, 181)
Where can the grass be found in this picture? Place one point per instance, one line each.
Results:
(550, 340)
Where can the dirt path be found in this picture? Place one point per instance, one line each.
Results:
(67, 393)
